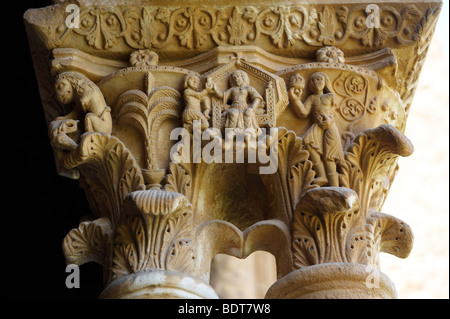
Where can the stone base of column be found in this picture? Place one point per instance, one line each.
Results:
(334, 281)
(158, 285)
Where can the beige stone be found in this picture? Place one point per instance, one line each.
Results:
(232, 128)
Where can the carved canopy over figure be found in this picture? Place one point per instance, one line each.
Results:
(87, 100)
(245, 102)
(322, 139)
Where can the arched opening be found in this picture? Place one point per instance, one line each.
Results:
(249, 278)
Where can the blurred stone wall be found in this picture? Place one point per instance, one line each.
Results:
(420, 193)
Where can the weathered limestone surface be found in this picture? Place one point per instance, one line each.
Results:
(230, 128)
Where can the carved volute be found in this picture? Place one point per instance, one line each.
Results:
(228, 128)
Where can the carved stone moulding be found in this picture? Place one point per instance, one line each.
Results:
(291, 30)
(141, 96)
(334, 280)
(158, 285)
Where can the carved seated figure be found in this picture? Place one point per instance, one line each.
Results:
(245, 101)
(197, 103)
(322, 139)
(88, 101)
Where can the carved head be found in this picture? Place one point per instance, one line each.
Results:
(70, 84)
(320, 82)
(239, 78)
(192, 81)
(64, 90)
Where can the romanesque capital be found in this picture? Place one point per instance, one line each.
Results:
(222, 127)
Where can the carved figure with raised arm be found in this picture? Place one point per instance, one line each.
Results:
(322, 139)
(197, 103)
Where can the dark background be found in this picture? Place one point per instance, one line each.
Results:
(40, 206)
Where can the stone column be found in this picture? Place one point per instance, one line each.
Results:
(208, 128)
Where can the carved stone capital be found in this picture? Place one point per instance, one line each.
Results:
(203, 128)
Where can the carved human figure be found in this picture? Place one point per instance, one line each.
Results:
(245, 101)
(197, 103)
(87, 100)
(322, 139)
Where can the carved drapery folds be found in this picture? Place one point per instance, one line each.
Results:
(199, 130)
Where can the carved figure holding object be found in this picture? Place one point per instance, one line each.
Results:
(322, 139)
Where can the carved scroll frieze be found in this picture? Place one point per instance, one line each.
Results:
(270, 26)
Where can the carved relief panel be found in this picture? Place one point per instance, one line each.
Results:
(326, 125)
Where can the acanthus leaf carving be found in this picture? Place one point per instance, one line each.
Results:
(340, 224)
(326, 26)
(179, 180)
(109, 172)
(155, 233)
(391, 235)
(89, 242)
(146, 34)
(323, 223)
(294, 175)
(370, 163)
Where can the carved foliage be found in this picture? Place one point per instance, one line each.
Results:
(371, 162)
(179, 180)
(386, 22)
(145, 111)
(343, 224)
(89, 242)
(294, 175)
(109, 173)
(390, 235)
(155, 233)
(201, 27)
(284, 25)
(371, 166)
(101, 26)
(324, 226)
